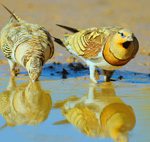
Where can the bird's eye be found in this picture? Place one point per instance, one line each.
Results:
(122, 35)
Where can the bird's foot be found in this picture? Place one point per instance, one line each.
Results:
(14, 72)
(94, 81)
(107, 79)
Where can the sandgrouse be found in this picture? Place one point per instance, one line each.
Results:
(29, 45)
(108, 48)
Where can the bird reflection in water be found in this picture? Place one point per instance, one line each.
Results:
(100, 113)
(24, 104)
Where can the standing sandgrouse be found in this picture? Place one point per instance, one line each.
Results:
(108, 48)
(29, 45)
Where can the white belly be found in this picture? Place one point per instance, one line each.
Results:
(99, 61)
(72, 51)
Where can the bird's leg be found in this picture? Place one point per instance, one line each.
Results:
(90, 98)
(92, 74)
(107, 74)
(12, 67)
(11, 84)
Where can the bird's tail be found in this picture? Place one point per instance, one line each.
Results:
(59, 41)
(3, 126)
(73, 30)
(61, 122)
(12, 14)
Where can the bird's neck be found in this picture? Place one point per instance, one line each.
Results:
(28, 65)
(33, 63)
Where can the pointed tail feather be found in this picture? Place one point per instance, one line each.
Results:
(3, 126)
(74, 30)
(11, 16)
(10, 13)
(59, 41)
(61, 122)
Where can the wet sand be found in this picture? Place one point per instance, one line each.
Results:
(62, 81)
(84, 14)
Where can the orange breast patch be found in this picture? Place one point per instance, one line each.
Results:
(111, 59)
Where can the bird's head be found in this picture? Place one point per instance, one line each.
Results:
(34, 68)
(124, 37)
(122, 44)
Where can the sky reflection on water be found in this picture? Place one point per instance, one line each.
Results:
(27, 113)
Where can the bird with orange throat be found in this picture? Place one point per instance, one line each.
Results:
(108, 48)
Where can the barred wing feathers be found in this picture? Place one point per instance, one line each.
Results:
(88, 43)
(16, 33)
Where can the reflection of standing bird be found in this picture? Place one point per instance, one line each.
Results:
(24, 104)
(108, 47)
(27, 44)
(99, 113)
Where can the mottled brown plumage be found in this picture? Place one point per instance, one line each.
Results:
(88, 43)
(107, 47)
(27, 44)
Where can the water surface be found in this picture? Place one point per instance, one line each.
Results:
(74, 110)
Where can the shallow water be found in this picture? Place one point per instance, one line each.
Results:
(56, 109)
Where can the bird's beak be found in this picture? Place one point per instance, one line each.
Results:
(130, 38)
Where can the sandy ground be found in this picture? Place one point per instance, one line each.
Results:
(84, 14)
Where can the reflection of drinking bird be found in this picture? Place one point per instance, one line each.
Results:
(99, 113)
(25, 104)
